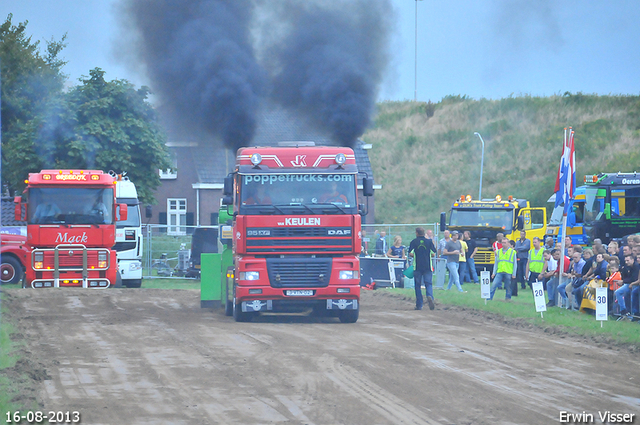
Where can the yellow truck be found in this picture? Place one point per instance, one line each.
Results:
(488, 217)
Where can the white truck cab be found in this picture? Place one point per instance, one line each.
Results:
(129, 235)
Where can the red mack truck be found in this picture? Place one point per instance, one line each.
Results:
(71, 216)
(296, 231)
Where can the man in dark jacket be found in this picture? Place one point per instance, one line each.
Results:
(629, 272)
(523, 246)
(420, 249)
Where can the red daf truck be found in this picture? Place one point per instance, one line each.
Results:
(71, 216)
(296, 231)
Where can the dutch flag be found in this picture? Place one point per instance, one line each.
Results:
(566, 179)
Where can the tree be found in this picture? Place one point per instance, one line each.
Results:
(98, 124)
(108, 126)
(31, 82)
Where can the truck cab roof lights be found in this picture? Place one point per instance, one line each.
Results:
(341, 159)
(256, 159)
(468, 198)
(498, 198)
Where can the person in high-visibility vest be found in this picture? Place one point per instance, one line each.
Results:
(504, 269)
(535, 263)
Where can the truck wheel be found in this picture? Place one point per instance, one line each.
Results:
(238, 314)
(349, 316)
(118, 283)
(228, 304)
(11, 270)
(132, 283)
(228, 308)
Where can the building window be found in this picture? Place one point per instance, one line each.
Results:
(170, 173)
(176, 216)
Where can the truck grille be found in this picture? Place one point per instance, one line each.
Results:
(71, 259)
(287, 240)
(299, 272)
(484, 256)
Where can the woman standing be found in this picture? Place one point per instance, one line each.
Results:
(397, 250)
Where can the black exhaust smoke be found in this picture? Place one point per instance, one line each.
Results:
(329, 62)
(321, 59)
(201, 63)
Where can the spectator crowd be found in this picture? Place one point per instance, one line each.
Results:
(569, 278)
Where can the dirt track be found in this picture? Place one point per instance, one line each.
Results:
(154, 357)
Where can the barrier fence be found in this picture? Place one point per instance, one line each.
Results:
(167, 248)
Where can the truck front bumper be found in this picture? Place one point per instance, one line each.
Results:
(276, 305)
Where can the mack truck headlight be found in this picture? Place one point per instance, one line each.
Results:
(102, 260)
(249, 276)
(349, 274)
(38, 260)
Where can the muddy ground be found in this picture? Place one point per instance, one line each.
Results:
(124, 356)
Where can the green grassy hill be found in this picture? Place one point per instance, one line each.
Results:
(425, 162)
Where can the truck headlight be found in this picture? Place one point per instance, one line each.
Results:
(102, 260)
(38, 260)
(135, 265)
(249, 276)
(349, 274)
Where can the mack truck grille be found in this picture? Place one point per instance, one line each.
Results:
(297, 272)
(70, 259)
(299, 239)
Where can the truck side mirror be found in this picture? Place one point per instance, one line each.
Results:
(443, 221)
(122, 212)
(367, 186)
(18, 209)
(228, 187)
(520, 222)
(227, 200)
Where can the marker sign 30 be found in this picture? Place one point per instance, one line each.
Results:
(601, 304)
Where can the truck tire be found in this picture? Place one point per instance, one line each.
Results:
(118, 283)
(11, 270)
(238, 314)
(132, 283)
(349, 316)
(228, 304)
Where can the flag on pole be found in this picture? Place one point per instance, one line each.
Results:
(566, 179)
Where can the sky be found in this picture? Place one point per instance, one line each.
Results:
(483, 49)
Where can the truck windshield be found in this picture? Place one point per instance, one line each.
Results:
(133, 217)
(315, 193)
(53, 205)
(472, 217)
(593, 204)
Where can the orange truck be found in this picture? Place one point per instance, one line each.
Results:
(71, 224)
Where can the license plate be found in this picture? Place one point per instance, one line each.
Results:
(299, 293)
